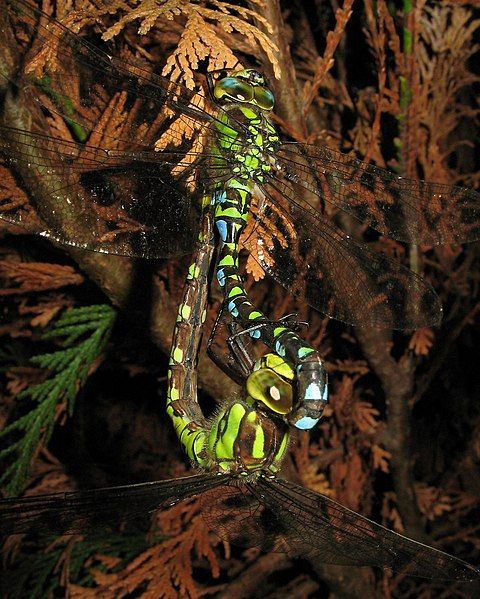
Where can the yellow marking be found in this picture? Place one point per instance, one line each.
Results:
(177, 355)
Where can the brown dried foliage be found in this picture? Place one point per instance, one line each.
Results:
(382, 386)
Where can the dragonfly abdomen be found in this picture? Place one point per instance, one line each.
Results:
(232, 207)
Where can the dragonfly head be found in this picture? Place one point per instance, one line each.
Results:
(270, 384)
(247, 86)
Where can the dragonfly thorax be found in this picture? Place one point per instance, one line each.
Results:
(244, 440)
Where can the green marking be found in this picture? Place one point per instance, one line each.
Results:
(177, 355)
(305, 351)
(254, 315)
(235, 184)
(228, 436)
(185, 311)
(193, 271)
(228, 212)
(227, 260)
(258, 450)
(235, 291)
(248, 112)
(281, 450)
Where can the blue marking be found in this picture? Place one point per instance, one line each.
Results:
(232, 309)
(222, 229)
(255, 334)
(325, 394)
(312, 392)
(221, 277)
(219, 197)
(279, 348)
(306, 423)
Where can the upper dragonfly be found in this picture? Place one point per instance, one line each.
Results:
(137, 153)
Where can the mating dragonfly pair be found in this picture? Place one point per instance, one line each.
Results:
(180, 163)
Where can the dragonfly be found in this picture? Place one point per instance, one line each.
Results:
(141, 158)
(240, 451)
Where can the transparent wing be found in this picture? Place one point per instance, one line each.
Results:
(131, 148)
(99, 509)
(111, 201)
(315, 526)
(405, 209)
(339, 276)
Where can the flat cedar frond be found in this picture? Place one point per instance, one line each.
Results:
(267, 231)
(365, 416)
(443, 58)
(432, 501)
(351, 366)
(390, 512)
(49, 572)
(198, 42)
(20, 378)
(182, 129)
(41, 313)
(349, 479)
(85, 332)
(36, 276)
(165, 570)
(344, 399)
(14, 199)
(325, 63)
(47, 56)
(309, 467)
(200, 39)
(421, 341)
(381, 458)
(113, 123)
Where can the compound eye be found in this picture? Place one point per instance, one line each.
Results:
(269, 388)
(233, 88)
(264, 98)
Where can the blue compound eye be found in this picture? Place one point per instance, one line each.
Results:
(234, 89)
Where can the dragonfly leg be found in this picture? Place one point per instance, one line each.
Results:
(238, 351)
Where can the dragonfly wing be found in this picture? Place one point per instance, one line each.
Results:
(339, 276)
(143, 144)
(98, 509)
(239, 516)
(409, 210)
(109, 201)
(320, 528)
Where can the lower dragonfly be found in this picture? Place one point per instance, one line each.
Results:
(240, 451)
(139, 154)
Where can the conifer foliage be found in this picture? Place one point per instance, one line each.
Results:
(393, 83)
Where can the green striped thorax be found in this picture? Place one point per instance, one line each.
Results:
(250, 435)
(245, 97)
